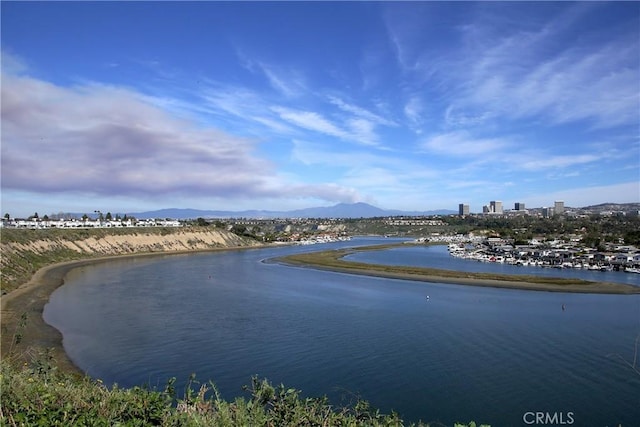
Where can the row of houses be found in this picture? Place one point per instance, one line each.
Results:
(560, 255)
(415, 222)
(88, 223)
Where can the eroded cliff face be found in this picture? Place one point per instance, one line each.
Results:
(22, 257)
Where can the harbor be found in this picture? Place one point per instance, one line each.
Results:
(547, 255)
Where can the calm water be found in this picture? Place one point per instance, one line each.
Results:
(468, 353)
(438, 257)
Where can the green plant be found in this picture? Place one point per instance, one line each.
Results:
(37, 393)
(17, 334)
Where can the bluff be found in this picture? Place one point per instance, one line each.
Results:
(34, 264)
(26, 251)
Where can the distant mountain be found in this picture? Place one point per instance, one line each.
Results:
(613, 207)
(341, 210)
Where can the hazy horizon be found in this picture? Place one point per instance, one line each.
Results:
(352, 206)
(416, 106)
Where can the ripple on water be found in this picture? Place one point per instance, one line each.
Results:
(467, 353)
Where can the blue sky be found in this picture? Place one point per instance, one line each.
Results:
(132, 106)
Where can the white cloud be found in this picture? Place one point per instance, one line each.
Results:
(382, 175)
(272, 124)
(358, 130)
(12, 64)
(510, 75)
(113, 142)
(627, 192)
(233, 100)
(414, 110)
(362, 131)
(289, 83)
(463, 144)
(361, 112)
(461, 119)
(539, 69)
(545, 162)
(311, 121)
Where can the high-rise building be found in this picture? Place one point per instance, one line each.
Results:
(495, 207)
(558, 208)
(519, 206)
(463, 209)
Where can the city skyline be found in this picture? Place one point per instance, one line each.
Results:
(135, 106)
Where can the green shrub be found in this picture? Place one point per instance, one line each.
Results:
(37, 394)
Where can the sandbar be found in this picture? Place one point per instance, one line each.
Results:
(332, 260)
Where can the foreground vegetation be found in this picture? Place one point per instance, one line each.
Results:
(39, 394)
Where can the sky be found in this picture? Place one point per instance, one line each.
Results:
(136, 106)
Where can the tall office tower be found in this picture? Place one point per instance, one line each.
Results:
(547, 212)
(519, 206)
(486, 209)
(558, 208)
(495, 207)
(463, 209)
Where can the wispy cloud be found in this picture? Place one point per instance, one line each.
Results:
(382, 175)
(357, 130)
(510, 75)
(414, 111)
(287, 83)
(463, 144)
(570, 87)
(558, 161)
(626, 192)
(312, 121)
(290, 85)
(361, 112)
(495, 69)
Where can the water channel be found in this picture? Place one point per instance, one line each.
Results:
(466, 353)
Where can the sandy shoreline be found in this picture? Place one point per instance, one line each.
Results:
(332, 261)
(597, 288)
(30, 299)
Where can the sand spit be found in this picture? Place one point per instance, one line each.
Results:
(332, 260)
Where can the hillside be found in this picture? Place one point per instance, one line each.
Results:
(34, 264)
(26, 251)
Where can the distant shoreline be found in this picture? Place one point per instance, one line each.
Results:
(332, 260)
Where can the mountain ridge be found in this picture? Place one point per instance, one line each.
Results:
(340, 210)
